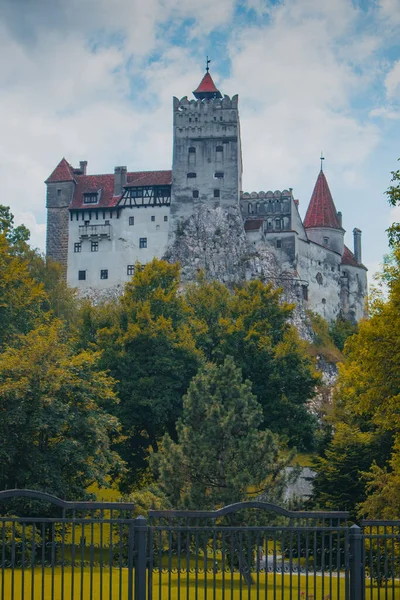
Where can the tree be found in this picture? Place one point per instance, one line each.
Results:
(366, 412)
(55, 433)
(220, 450)
(252, 325)
(150, 352)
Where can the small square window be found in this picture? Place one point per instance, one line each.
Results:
(58, 193)
(218, 175)
(216, 193)
(77, 247)
(153, 218)
(130, 269)
(81, 275)
(279, 243)
(131, 220)
(192, 150)
(165, 218)
(87, 222)
(142, 242)
(94, 246)
(104, 274)
(107, 222)
(195, 193)
(191, 175)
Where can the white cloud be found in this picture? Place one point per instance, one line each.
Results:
(392, 81)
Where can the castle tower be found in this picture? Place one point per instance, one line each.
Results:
(60, 191)
(207, 161)
(322, 222)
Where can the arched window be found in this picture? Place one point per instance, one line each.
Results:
(319, 278)
(257, 208)
(277, 224)
(250, 208)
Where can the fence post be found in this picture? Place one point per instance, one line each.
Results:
(356, 567)
(140, 528)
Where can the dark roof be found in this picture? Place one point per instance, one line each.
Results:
(348, 258)
(253, 224)
(63, 172)
(105, 185)
(321, 211)
(207, 88)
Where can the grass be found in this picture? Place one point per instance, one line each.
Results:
(96, 584)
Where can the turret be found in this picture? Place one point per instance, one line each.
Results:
(322, 222)
(207, 163)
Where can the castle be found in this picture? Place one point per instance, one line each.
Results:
(99, 226)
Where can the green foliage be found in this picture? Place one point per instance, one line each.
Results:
(251, 325)
(323, 343)
(393, 195)
(221, 450)
(55, 432)
(340, 330)
(366, 407)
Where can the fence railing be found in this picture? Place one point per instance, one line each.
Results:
(51, 549)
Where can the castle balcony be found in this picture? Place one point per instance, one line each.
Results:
(94, 231)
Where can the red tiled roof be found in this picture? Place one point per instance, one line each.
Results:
(206, 85)
(348, 258)
(105, 183)
(62, 172)
(321, 211)
(253, 224)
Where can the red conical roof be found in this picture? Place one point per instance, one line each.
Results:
(321, 211)
(207, 88)
(62, 172)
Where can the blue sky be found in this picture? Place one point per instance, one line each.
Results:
(94, 79)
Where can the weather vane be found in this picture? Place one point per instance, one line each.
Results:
(207, 63)
(322, 157)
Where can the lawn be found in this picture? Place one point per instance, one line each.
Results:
(96, 584)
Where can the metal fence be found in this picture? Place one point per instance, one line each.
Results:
(51, 549)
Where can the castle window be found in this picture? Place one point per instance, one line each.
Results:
(326, 241)
(157, 227)
(191, 175)
(81, 275)
(250, 209)
(220, 118)
(94, 246)
(279, 243)
(165, 218)
(90, 198)
(153, 218)
(277, 224)
(104, 274)
(77, 247)
(304, 289)
(192, 150)
(131, 220)
(319, 278)
(323, 300)
(257, 208)
(142, 242)
(195, 193)
(216, 193)
(87, 222)
(218, 175)
(58, 193)
(107, 222)
(219, 149)
(130, 269)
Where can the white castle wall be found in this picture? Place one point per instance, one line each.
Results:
(120, 250)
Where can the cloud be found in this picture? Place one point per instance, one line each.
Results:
(392, 81)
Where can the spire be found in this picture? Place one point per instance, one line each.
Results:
(207, 89)
(321, 211)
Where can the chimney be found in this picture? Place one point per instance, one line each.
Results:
(339, 216)
(119, 180)
(357, 244)
(82, 166)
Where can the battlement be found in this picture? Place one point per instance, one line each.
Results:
(269, 194)
(205, 105)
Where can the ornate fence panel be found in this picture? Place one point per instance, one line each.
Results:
(250, 550)
(381, 559)
(51, 549)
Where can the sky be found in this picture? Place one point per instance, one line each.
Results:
(94, 80)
